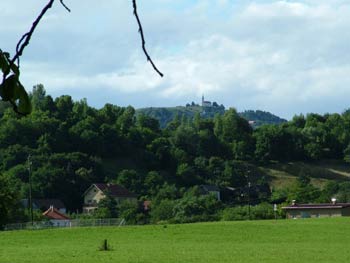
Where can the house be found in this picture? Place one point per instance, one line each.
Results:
(45, 204)
(332, 209)
(96, 192)
(210, 189)
(56, 217)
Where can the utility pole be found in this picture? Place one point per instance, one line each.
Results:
(30, 188)
(249, 184)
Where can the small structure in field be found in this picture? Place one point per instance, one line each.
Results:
(96, 192)
(332, 209)
(56, 217)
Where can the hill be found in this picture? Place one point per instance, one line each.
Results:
(166, 114)
(308, 240)
(261, 117)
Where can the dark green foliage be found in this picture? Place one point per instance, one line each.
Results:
(11, 89)
(257, 212)
(9, 200)
(131, 180)
(107, 208)
(162, 211)
(74, 145)
(193, 206)
(132, 213)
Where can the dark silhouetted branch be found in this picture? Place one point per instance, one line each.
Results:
(21, 45)
(64, 5)
(143, 39)
(25, 39)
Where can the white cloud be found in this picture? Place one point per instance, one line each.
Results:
(283, 56)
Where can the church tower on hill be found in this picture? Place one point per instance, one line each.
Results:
(205, 103)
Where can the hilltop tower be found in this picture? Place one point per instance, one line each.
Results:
(205, 103)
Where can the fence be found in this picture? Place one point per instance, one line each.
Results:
(66, 224)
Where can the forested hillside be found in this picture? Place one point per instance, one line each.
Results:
(165, 115)
(261, 117)
(72, 145)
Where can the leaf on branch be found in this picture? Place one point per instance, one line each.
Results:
(11, 88)
(13, 91)
(4, 61)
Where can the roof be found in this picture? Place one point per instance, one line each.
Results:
(317, 206)
(114, 190)
(53, 213)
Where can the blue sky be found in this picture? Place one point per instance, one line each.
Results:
(287, 57)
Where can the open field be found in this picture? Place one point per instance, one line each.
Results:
(283, 175)
(311, 240)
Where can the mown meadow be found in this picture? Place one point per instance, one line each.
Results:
(310, 240)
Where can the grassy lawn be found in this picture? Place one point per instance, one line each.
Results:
(311, 240)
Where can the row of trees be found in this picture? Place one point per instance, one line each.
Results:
(73, 145)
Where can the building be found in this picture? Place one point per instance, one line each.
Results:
(205, 103)
(96, 192)
(56, 218)
(332, 209)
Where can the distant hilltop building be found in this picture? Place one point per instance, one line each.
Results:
(206, 103)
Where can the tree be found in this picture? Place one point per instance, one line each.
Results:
(107, 208)
(38, 96)
(9, 200)
(162, 211)
(131, 180)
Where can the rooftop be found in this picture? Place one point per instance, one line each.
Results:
(317, 206)
(53, 213)
(115, 190)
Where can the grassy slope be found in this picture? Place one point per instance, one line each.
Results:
(280, 174)
(311, 240)
(285, 174)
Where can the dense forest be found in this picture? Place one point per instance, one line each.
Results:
(72, 145)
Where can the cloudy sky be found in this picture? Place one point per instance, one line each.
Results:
(286, 57)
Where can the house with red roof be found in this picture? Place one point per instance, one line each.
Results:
(96, 192)
(56, 217)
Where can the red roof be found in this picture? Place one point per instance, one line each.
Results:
(53, 213)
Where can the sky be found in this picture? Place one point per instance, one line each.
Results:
(286, 57)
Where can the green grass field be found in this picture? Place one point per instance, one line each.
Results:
(311, 240)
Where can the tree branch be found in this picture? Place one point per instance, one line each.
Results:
(25, 39)
(143, 39)
(64, 5)
(21, 45)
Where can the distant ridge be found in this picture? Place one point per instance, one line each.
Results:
(166, 114)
